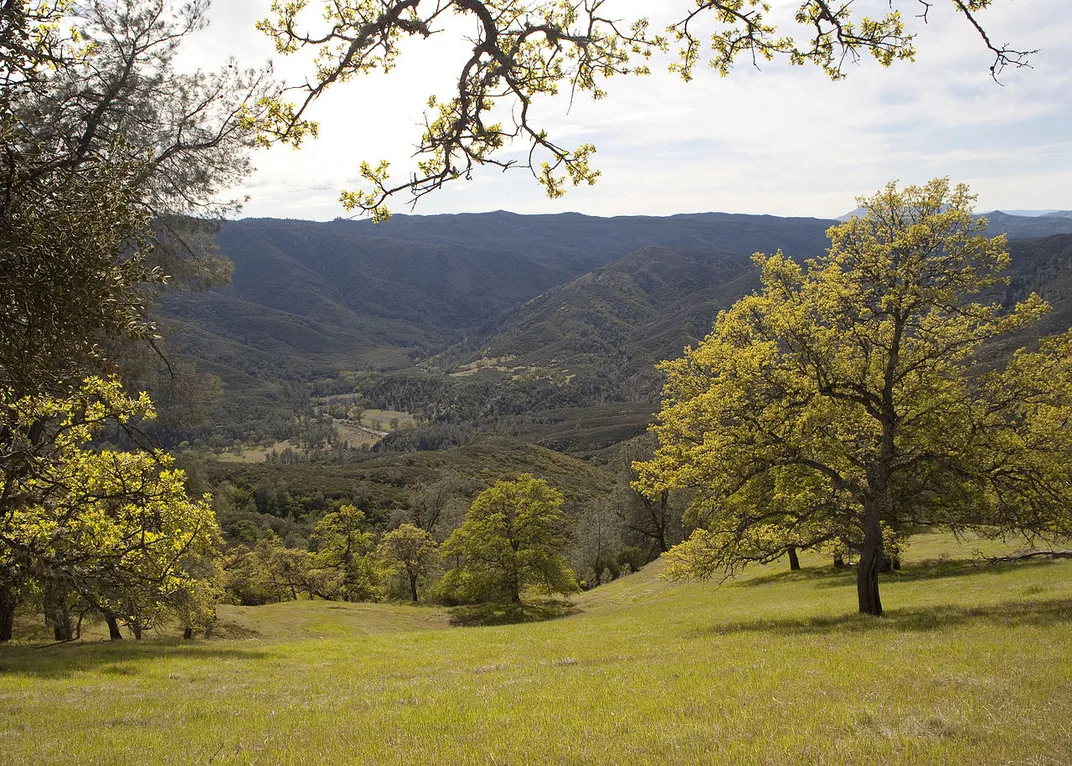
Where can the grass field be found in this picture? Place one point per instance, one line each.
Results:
(252, 454)
(973, 664)
(380, 420)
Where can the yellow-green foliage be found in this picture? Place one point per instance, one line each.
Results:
(411, 553)
(115, 527)
(842, 397)
(526, 50)
(512, 539)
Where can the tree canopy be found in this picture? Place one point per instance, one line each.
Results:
(115, 531)
(524, 50)
(853, 394)
(513, 538)
(344, 548)
(110, 159)
(113, 163)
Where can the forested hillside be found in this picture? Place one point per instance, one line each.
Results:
(481, 320)
(308, 300)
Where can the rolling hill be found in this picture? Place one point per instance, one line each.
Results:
(448, 301)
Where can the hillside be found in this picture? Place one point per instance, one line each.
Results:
(618, 321)
(771, 668)
(358, 294)
(386, 482)
(477, 318)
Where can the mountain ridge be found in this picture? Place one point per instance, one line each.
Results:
(564, 297)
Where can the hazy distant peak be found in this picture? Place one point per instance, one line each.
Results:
(859, 213)
(1033, 213)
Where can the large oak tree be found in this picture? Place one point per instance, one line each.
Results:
(854, 395)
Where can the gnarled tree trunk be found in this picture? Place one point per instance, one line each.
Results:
(870, 560)
(57, 613)
(113, 627)
(794, 561)
(8, 601)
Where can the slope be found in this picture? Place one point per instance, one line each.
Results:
(970, 666)
(353, 292)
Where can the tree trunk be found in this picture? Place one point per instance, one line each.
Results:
(870, 559)
(135, 628)
(188, 633)
(413, 587)
(794, 562)
(839, 560)
(56, 612)
(113, 627)
(8, 602)
(660, 524)
(896, 563)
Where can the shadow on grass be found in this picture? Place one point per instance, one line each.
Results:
(935, 569)
(119, 658)
(475, 615)
(1007, 614)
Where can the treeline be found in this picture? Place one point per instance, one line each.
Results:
(610, 528)
(437, 545)
(444, 399)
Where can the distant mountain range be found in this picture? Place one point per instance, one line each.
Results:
(1032, 213)
(504, 296)
(1009, 221)
(310, 297)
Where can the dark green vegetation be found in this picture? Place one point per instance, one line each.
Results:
(970, 665)
(477, 322)
(308, 300)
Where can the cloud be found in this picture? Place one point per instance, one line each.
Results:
(782, 140)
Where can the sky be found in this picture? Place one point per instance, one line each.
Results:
(780, 140)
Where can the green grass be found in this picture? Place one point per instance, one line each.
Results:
(253, 454)
(971, 665)
(381, 419)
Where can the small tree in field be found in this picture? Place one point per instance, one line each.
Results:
(344, 549)
(410, 552)
(848, 397)
(513, 538)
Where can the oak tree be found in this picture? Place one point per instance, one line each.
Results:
(513, 538)
(850, 397)
(111, 530)
(409, 552)
(345, 548)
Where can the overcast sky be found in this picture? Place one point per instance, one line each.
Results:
(783, 140)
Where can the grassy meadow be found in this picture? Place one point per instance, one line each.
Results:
(973, 664)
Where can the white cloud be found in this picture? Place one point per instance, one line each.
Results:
(782, 140)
